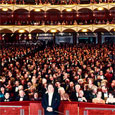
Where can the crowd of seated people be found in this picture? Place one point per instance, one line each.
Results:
(10, 54)
(82, 73)
(65, 22)
(54, 2)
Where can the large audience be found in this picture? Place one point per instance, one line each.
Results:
(63, 18)
(83, 73)
(64, 22)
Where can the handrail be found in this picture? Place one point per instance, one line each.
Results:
(66, 108)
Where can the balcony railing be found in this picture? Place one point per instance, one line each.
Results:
(54, 2)
(65, 108)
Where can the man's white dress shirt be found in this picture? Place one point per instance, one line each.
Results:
(50, 96)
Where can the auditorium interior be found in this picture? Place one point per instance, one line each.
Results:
(69, 43)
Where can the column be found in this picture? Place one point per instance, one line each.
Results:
(53, 38)
(74, 38)
(99, 37)
(0, 53)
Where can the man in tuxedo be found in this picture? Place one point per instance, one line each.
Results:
(74, 94)
(22, 96)
(50, 101)
(7, 97)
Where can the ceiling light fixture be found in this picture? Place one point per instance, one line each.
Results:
(53, 31)
(84, 30)
(4, 9)
(37, 10)
(100, 8)
(68, 9)
(21, 31)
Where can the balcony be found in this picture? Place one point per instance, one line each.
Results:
(66, 108)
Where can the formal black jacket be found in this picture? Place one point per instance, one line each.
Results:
(103, 95)
(7, 100)
(73, 96)
(55, 103)
(25, 98)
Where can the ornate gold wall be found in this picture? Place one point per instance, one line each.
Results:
(58, 7)
(59, 28)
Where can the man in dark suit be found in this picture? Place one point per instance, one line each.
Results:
(7, 97)
(22, 96)
(105, 94)
(50, 101)
(74, 94)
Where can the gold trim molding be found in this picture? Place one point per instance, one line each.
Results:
(59, 28)
(47, 7)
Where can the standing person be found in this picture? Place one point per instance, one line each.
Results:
(51, 101)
